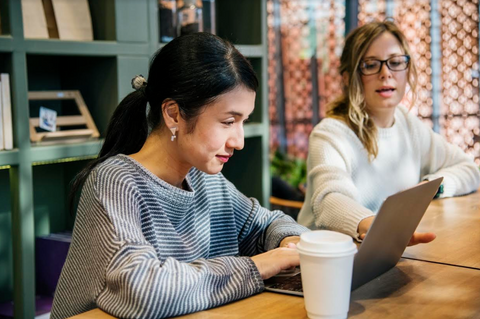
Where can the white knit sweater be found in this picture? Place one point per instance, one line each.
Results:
(343, 187)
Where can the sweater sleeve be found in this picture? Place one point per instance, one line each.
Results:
(139, 284)
(260, 229)
(334, 196)
(439, 158)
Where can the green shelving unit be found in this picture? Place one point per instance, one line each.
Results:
(34, 179)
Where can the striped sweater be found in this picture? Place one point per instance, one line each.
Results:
(142, 248)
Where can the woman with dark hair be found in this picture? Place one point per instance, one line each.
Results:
(159, 231)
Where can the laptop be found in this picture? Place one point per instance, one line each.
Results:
(396, 221)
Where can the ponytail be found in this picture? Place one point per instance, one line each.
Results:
(126, 133)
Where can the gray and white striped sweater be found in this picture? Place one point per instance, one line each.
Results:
(142, 248)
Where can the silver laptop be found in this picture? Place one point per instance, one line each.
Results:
(385, 242)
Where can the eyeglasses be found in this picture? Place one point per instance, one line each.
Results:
(395, 63)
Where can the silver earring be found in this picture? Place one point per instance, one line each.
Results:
(173, 130)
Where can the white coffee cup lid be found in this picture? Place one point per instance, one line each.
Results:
(326, 243)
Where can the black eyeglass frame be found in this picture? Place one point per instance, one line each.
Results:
(386, 63)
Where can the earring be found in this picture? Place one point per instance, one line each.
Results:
(173, 130)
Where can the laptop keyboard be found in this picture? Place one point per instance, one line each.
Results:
(290, 283)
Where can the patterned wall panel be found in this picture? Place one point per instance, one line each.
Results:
(273, 98)
(297, 51)
(460, 121)
(413, 18)
(459, 110)
(312, 34)
(369, 10)
(331, 37)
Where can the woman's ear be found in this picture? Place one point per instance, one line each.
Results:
(171, 113)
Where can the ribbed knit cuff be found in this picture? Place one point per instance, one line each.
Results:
(281, 228)
(255, 275)
(341, 213)
(449, 184)
(449, 187)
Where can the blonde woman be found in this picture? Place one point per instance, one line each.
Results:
(369, 146)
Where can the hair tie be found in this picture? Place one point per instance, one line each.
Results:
(138, 82)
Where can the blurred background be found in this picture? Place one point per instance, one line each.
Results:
(305, 41)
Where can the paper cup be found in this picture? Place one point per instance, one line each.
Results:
(326, 263)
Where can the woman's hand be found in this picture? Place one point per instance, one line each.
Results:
(417, 238)
(272, 262)
(421, 238)
(289, 240)
(364, 225)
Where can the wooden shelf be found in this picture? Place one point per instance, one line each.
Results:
(9, 157)
(6, 44)
(251, 51)
(254, 130)
(91, 48)
(60, 153)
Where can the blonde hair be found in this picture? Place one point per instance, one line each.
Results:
(350, 106)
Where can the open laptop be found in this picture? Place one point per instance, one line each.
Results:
(385, 242)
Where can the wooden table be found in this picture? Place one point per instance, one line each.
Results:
(456, 222)
(438, 280)
(413, 289)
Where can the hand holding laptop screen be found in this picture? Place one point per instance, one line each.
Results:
(417, 238)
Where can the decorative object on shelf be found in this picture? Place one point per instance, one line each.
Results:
(6, 130)
(70, 18)
(209, 24)
(34, 21)
(63, 122)
(167, 12)
(179, 17)
(47, 119)
(189, 17)
(50, 17)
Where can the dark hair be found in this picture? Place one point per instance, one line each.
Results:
(192, 70)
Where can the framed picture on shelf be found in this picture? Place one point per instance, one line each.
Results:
(59, 121)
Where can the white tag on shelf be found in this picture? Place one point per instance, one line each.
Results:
(48, 119)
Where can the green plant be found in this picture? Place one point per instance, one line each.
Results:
(291, 170)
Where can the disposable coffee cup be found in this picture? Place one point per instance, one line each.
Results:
(326, 263)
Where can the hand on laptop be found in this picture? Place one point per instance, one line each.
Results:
(417, 238)
(272, 262)
(289, 240)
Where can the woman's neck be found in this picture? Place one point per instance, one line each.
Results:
(160, 157)
(383, 118)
